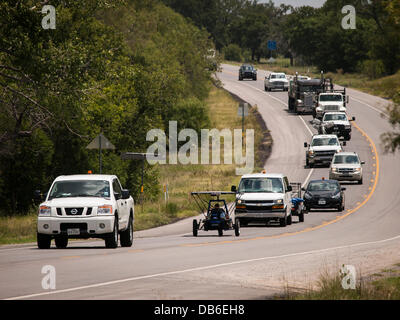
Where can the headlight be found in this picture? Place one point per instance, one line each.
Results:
(278, 204)
(279, 201)
(310, 152)
(307, 196)
(357, 170)
(334, 170)
(44, 211)
(336, 196)
(240, 201)
(299, 101)
(106, 209)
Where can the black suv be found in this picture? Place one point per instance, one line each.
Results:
(247, 71)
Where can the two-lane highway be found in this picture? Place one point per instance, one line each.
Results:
(168, 263)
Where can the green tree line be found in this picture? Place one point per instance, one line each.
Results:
(121, 68)
(312, 35)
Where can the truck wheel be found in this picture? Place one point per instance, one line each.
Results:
(360, 181)
(237, 228)
(220, 231)
(112, 238)
(126, 237)
(195, 228)
(61, 242)
(43, 241)
(289, 220)
(301, 217)
(283, 222)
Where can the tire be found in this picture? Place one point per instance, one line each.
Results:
(301, 217)
(43, 241)
(195, 228)
(289, 220)
(61, 242)
(111, 239)
(265, 88)
(341, 208)
(283, 222)
(220, 231)
(255, 78)
(237, 228)
(126, 237)
(360, 181)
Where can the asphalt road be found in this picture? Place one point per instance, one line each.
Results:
(168, 263)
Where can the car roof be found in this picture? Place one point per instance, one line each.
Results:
(336, 112)
(71, 177)
(263, 175)
(278, 73)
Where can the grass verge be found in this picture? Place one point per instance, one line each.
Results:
(384, 285)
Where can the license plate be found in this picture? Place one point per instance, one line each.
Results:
(321, 202)
(72, 232)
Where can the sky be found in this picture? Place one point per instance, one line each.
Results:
(298, 3)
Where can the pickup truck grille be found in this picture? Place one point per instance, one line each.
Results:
(278, 83)
(325, 153)
(331, 108)
(73, 211)
(258, 201)
(346, 170)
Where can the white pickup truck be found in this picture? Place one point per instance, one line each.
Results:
(85, 206)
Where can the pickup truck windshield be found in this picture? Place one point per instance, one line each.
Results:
(80, 188)
(269, 185)
(330, 97)
(341, 159)
(324, 142)
(335, 117)
(278, 76)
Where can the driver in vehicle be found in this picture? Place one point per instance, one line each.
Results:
(218, 212)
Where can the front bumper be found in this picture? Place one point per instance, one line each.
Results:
(316, 204)
(348, 176)
(88, 226)
(248, 214)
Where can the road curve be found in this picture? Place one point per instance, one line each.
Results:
(168, 263)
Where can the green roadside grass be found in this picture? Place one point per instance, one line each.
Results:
(384, 285)
(181, 179)
(387, 87)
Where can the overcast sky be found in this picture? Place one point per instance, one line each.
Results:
(298, 3)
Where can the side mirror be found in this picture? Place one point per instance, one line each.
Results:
(233, 189)
(303, 189)
(353, 119)
(117, 196)
(305, 144)
(125, 194)
(289, 188)
(343, 189)
(344, 143)
(362, 162)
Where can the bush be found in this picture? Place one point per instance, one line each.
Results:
(372, 68)
(233, 52)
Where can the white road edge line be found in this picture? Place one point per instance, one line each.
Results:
(199, 269)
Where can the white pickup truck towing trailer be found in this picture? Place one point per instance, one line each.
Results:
(86, 206)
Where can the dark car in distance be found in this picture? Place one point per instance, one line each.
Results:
(324, 194)
(247, 71)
